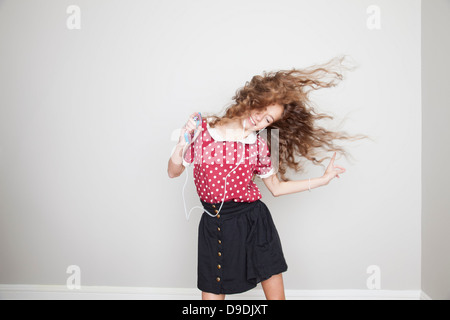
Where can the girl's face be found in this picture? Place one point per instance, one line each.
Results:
(260, 119)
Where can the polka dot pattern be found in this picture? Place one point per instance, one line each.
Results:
(214, 161)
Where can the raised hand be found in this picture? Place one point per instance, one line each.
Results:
(333, 170)
(190, 127)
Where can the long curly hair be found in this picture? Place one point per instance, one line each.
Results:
(299, 134)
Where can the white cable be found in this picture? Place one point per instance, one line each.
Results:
(188, 214)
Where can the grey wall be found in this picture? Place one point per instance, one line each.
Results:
(435, 142)
(87, 119)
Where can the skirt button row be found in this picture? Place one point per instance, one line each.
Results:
(219, 267)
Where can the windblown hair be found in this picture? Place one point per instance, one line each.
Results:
(299, 133)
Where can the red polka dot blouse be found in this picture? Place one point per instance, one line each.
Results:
(216, 163)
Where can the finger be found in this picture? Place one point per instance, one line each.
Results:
(331, 164)
(192, 126)
(197, 129)
(342, 168)
(333, 157)
(198, 132)
(192, 122)
(195, 123)
(191, 118)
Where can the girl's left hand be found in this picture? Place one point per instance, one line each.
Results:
(333, 170)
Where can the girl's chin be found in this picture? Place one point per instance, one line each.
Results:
(249, 125)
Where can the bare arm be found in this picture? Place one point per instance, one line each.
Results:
(279, 188)
(175, 167)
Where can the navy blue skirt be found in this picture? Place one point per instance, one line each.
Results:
(238, 248)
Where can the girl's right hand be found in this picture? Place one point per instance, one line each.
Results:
(190, 127)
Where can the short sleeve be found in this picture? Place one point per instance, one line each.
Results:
(264, 168)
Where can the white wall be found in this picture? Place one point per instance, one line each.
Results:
(436, 133)
(86, 119)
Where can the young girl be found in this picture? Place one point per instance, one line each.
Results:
(238, 243)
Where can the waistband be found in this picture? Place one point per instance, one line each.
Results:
(229, 207)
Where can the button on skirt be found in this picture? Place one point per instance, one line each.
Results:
(238, 248)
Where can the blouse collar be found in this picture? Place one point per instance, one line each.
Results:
(214, 133)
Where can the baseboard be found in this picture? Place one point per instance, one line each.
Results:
(424, 296)
(54, 292)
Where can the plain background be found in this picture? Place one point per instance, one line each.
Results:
(88, 120)
(435, 151)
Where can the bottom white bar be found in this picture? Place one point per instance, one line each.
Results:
(53, 292)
